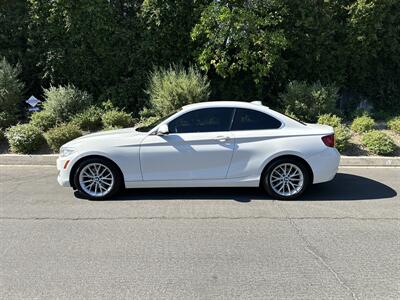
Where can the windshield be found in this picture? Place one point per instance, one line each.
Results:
(154, 124)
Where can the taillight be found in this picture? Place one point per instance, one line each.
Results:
(329, 140)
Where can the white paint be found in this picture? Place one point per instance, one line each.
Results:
(232, 158)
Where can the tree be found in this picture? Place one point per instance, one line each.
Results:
(236, 36)
(11, 89)
(374, 51)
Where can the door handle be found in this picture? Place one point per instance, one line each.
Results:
(223, 139)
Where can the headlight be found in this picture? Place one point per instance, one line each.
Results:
(66, 151)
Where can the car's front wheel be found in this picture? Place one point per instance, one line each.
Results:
(97, 179)
(286, 179)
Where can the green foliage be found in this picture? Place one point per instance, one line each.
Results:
(43, 120)
(373, 46)
(145, 122)
(7, 119)
(58, 136)
(116, 119)
(315, 31)
(161, 18)
(240, 36)
(362, 124)
(10, 93)
(251, 49)
(65, 102)
(172, 88)
(308, 101)
(378, 142)
(342, 137)
(360, 112)
(329, 119)
(394, 124)
(24, 138)
(89, 120)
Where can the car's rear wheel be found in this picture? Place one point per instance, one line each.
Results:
(286, 179)
(97, 179)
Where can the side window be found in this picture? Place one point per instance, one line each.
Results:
(203, 120)
(248, 119)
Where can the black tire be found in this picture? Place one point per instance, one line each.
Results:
(266, 178)
(116, 175)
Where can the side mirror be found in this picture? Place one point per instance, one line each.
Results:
(163, 129)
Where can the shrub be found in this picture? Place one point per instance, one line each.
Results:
(43, 120)
(116, 119)
(10, 93)
(307, 101)
(342, 137)
(172, 88)
(65, 102)
(394, 124)
(363, 124)
(378, 142)
(147, 121)
(331, 120)
(58, 136)
(24, 138)
(89, 120)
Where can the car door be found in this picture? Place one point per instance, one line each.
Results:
(198, 146)
(256, 135)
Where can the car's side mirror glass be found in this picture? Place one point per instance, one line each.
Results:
(163, 129)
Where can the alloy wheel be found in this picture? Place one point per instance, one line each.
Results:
(286, 179)
(96, 179)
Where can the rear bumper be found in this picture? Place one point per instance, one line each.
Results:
(63, 174)
(324, 165)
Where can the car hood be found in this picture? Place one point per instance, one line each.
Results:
(106, 136)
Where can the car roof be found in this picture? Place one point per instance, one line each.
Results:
(211, 104)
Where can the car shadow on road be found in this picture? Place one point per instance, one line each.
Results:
(344, 187)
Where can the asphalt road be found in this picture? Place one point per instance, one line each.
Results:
(341, 241)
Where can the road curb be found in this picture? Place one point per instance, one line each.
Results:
(367, 161)
(28, 160)
(345, 161)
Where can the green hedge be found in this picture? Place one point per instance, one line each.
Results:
(43, 120)
(363, 124)
(308, 101)
(170, 89)
(24, 138)
(394, 124)
(329, 119)
(89, 120)
(116, 119)
(64, 102)
(378, 142)
(58, 136)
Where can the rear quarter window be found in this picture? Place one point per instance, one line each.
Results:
(248, 119)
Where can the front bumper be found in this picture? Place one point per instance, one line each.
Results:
(63, 173)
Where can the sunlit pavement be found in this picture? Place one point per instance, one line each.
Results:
(341, 240)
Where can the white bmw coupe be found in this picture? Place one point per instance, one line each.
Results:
(211, 144)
